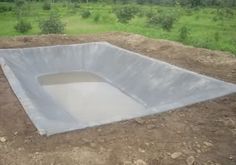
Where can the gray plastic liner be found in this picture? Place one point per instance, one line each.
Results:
(157, 85)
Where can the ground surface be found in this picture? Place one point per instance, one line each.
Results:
(203, 132)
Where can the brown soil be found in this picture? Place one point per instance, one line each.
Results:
(206, 131)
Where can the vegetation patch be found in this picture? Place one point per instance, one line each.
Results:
(201, 23)
(125, 13)
(23, 26)
(52, 25)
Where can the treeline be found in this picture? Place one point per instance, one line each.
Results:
(188, 3)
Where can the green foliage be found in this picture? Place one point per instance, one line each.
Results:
(5, 8)
(76, 5)
(141, 2)
(85, 14)
(125, 13)
(23, 26)
(216, 36)
(164, 20)
(184, 32)
(167, 22)
(52, 25)
(153, 18)
(21, 8)
(46, 6)
(96, 17)
(20, 3)
(203, 29)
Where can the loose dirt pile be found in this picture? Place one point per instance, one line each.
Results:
(204, 133)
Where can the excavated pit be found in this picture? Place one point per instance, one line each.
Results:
(89, 98)
(64, 88)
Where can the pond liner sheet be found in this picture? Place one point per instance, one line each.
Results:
(155, 84)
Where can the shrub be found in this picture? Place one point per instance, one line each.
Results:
(125, 13)
(153, 18)
(22, 8)
(150, 13)
(5, 8)
(46, 6)
(216, 36)
(19, 3)
(141, 2)
(85, 14)
(229, 13)
(96, 17)
(76, 5)
(52, 25)
(165, 21)
(23, 26)
(184, 33)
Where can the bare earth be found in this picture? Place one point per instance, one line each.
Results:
(203, 133)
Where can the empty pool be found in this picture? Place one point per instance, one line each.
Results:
(69, 87)
(89, 98)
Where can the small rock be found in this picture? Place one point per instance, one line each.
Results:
(140, 121)
(176, 155)
(92, 144)
(127, 163)
(85, 140)
(231, 157)
(16, 133)
(3, 139)
(150, 126)
(20, 149)
(208, 144)
(147, 144)
(199, 151)
(140, 162)
(230, 123)
(141, 150)
(190, 160)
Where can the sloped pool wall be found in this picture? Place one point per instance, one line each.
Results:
(157, 85)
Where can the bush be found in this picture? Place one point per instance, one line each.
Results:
(76, 5)
(21, 8)
(184, 33)
(5, 8)
(46, 6)
(165, 21)
(216, 36)
(19, 3)
(85, 14)
(153, 18)
(96, 17)
(125, 13)
(23, 26)
(52, 25)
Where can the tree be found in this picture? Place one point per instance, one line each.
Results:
(52, 25)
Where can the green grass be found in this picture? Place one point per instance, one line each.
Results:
(203, 27)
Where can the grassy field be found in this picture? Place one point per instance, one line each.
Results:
(208, 27)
